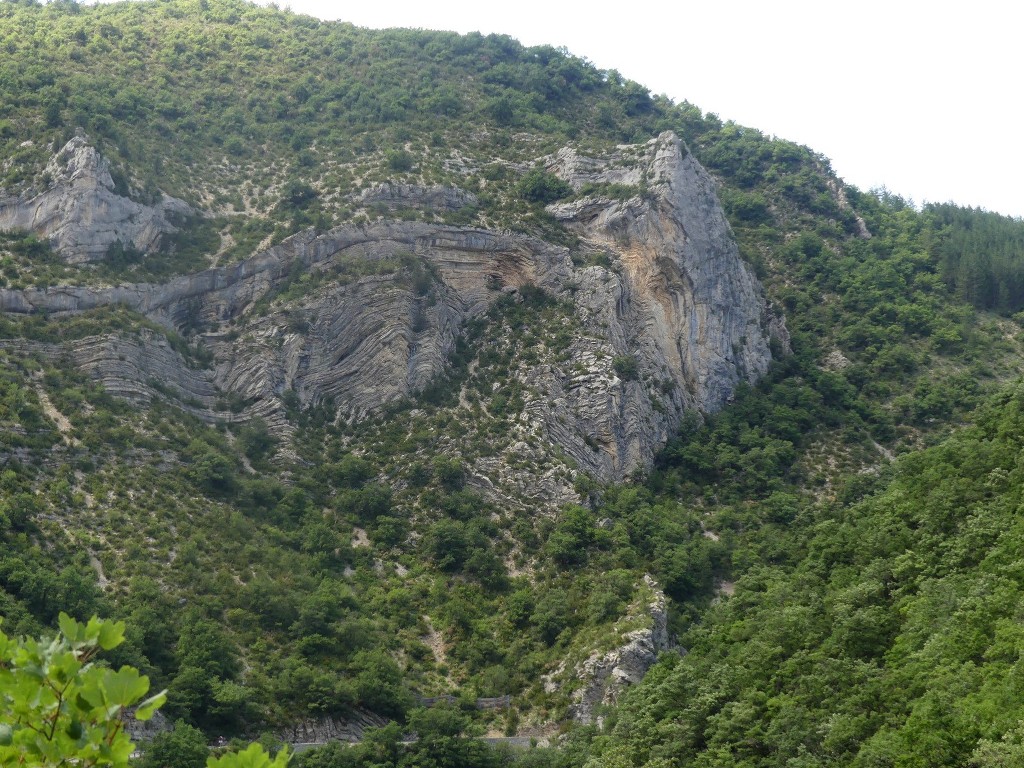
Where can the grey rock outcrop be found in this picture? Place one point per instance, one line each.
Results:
(665, 318)
(364, 343)
(326, 729)
(146, 730)
(82, 215)
(691, 308)
(678, 301)
(319, 730)
(433, 198)
(606, 676)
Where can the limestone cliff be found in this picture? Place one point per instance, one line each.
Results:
(669, 317)
(678, 299)
(690, 308)
(82, 214)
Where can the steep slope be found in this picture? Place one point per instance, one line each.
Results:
(82, 215)
(891, 636)
(363, 316)
(435, 288)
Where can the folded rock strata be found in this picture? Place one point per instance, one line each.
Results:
(665, 291)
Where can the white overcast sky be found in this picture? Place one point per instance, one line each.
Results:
(923, 98)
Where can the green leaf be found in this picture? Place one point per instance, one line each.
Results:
(124, 687)
(121, 750)
(111, 634)
(83, 703)
(150, 706)
(6, 735)
(70, 628)
(34, 671)
(253, 756)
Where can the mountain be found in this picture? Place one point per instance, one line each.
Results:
(670, 320)
(354, 367)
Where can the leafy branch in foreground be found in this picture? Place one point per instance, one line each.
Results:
(59, 706)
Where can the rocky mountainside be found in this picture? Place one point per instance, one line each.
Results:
(357, 370)
(82, 214)
(670, 318)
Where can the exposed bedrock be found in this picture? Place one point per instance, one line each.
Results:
(83, 215)
(671, 318)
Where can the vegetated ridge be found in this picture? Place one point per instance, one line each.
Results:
(335, 405)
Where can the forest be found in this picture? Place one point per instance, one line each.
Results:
(838, 546)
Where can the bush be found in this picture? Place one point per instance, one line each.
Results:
(400, 161)
(59, 705)
(625, 367)
(255, 440)
(539, 186)
(184, 747)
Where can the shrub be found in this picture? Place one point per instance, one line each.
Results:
(400, 160)
(60, 706)
(625, 367)
(539, 186)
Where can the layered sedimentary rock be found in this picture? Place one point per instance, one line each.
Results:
(434, 198)
(606, 676)
(325, 729)
(81, 213)
(668, 317)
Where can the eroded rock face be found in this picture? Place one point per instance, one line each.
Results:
(326, 729)
(81, 214)
(666, 317)
(146, 730)
(605, 676)
(689, 307)
(319, 730)
(678, 300)
(433, 198)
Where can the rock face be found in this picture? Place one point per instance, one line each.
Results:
(678, 300)
(607, 675)
(310, 731)
(323, 730)
(82, 215)
(435, 198)
(667, 317)
(689, 308)
(146, 730)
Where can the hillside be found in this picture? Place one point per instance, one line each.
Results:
(353, 367)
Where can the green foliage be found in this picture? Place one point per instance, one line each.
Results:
(253, 756)
(400, 160)
(873, 614)
(57, 705)
(96, 66)
(889, 618)
(625, 367)
(182, 747)
(211, 470)
(980, 255)
(297, 195)
(256, 441)
(380, 683)
(539, 186)
(60, 705)
(441, 732)
(552, 615)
